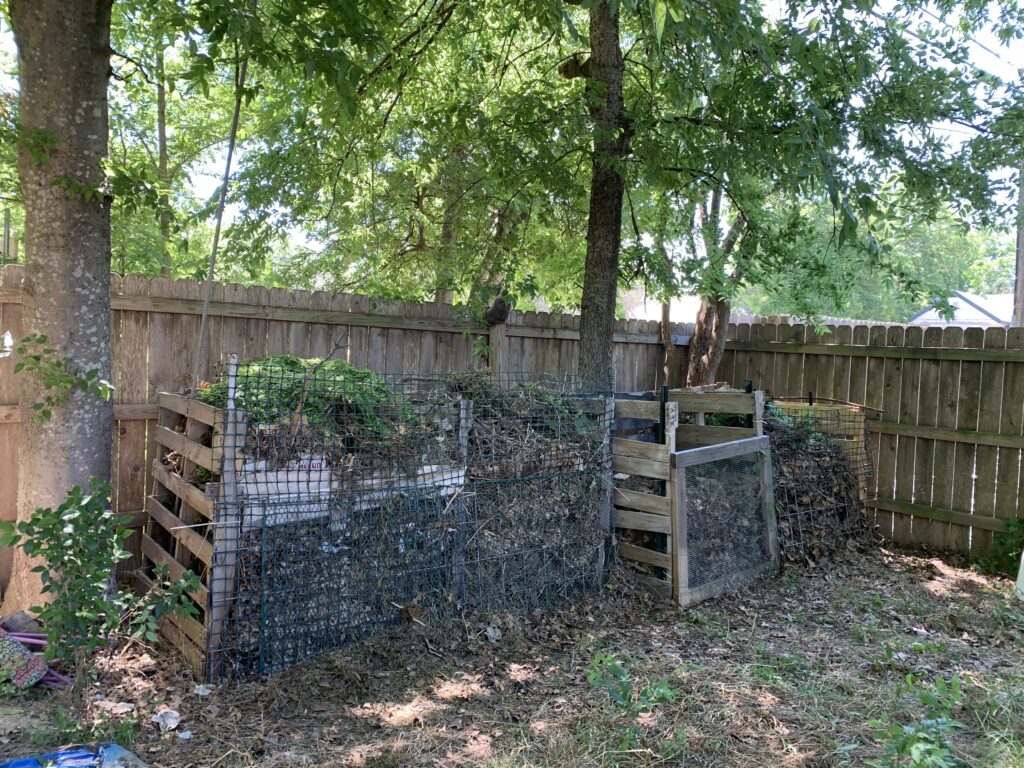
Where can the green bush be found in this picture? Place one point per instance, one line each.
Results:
(332, 392)
(79, 543)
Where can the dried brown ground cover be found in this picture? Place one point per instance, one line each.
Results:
(787, 673)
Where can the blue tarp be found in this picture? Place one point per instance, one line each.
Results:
(107, 756)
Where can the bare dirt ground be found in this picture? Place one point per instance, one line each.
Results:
(788, 673)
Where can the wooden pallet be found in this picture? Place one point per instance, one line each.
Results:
(179, 529)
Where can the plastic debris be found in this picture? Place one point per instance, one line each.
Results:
(167, 719)
(106, 756)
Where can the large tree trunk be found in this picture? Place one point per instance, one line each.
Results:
(707, 345)
(63, 67)
(604, 226)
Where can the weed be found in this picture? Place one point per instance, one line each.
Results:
(67, 729)
(925, 743)
(609, 675)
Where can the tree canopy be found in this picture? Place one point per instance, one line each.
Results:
(414, 149)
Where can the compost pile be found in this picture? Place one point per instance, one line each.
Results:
(373, 499)
(818, 498)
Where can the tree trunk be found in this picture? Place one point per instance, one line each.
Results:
(164, 162)
(63, 67)
(1018, 283)
(707, 344)
(670, 359)
(604, 225)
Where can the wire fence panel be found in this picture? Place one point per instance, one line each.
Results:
(822, 465)
(726, 534)
(350, 501)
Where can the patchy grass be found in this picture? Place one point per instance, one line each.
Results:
(805, 670)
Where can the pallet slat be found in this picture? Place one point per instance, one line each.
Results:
(199, 546)
(641, 521)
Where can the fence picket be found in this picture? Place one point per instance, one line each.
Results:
(958, 536)
(906, 447)
(990, 403)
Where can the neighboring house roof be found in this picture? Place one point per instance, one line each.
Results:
(971, 310)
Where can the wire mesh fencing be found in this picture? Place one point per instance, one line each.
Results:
(349, 501)
(822, 466)
(728, 524)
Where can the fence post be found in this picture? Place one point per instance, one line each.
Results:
(498, 342)
(1019, 589)
(227, 524)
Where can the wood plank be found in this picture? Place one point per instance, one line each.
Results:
(10, 320)
(642, 467)
(645, 502)
(883, 352)
(637, 409)
(191, 408)
(906, 446)
(858, 368)
(969, 436)
(207, 458)
(960, 519)
(194, 655)
(641, 521)
(644, 555)
(693, 456)
(924, 457)
(938, 532)
(990, 403)
(192, 540)
(183, 489)
(704, 435)
(967, 410)
(1011, 423)
(873, 393)
(11, 414)
(892, 380)
(713, 402)
(639, 450)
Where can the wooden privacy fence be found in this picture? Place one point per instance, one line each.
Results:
(947, 447)
(948, 444)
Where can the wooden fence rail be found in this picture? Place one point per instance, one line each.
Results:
(947, 448)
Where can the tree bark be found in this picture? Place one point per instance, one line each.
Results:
(1018, 282)
(669, 361)
(607, 185)
(63, 68)
(707, 344)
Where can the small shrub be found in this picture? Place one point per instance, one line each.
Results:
(80, 543)
(1003, 555)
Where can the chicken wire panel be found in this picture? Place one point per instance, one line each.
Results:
(728, 535)
(357, 500)
(822, 468)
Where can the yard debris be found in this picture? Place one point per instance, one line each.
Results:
(787, 668)
(167, 719)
